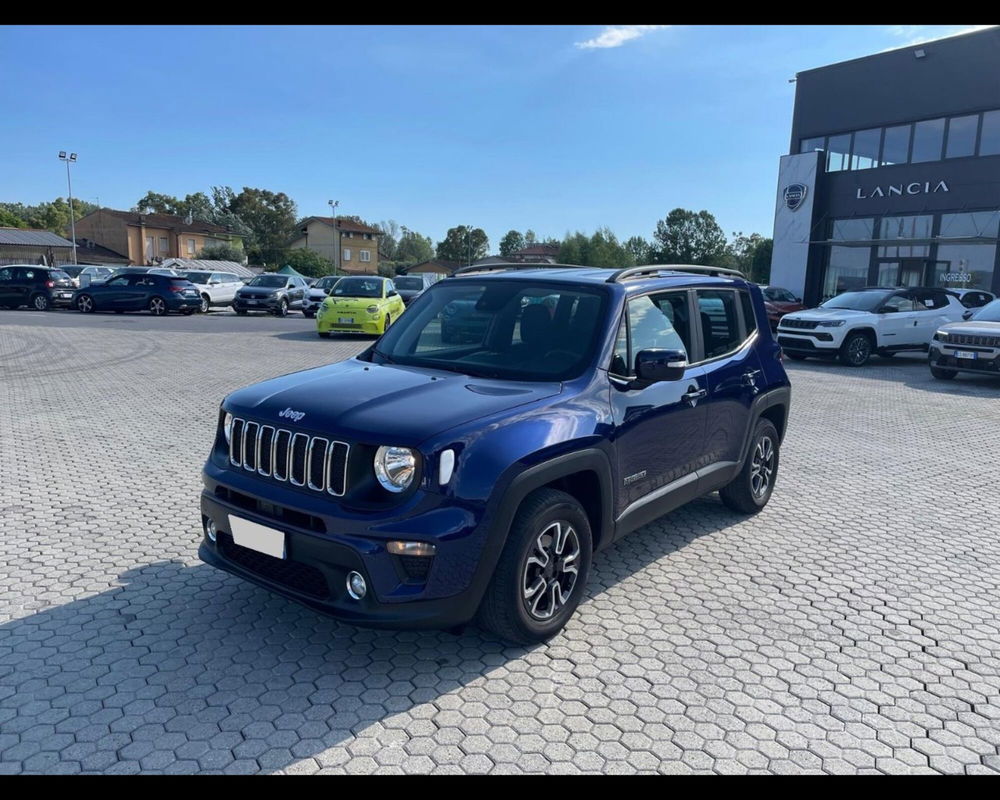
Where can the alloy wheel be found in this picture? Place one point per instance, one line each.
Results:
(762, 467)
(859, 349)
(41, 302)
(551, 570)
(204, 305)
(85, 304)
(157, 307)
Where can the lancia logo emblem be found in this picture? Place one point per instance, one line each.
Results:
(795, 194)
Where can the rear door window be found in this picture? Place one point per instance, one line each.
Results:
(719, 320)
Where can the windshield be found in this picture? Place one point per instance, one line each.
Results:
(779, 295)
(988, 313)
(270, 281)
(358, 287)
(409, 283)
(498, 329)
(326, 283)
(73, 271)
(858, 301)
(198, 277)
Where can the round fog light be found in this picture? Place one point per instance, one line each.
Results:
(356, 586)
(210, 529)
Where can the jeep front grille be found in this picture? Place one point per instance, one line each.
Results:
(805, 324)
(973, 340)
(298, 458)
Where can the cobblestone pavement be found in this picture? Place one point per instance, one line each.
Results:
(850, 627)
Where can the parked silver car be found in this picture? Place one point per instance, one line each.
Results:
(317, 294)
(970, 346)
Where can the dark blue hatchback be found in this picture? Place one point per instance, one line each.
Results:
(139, 291)
(439, 478)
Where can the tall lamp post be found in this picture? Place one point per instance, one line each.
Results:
(70, 159)
(468, 243)
(336, 235)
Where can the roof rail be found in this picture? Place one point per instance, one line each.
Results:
(656, 269)
(511, 265)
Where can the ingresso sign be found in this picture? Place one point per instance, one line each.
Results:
(899, 189)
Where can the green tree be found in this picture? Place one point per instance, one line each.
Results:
(222, 252)
(389, 240)
(308, 262)
(640, 250)
(602, 249)
(271, 218)
(413, 248)
(511, 242)
(464, 244)
(751, 255)
(8, 219)
(688, 237)
(530, 238)
(54, 216)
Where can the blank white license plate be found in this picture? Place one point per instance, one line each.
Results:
(251, 302)
(257, 537)
(66, 295)
(965, 354)
(345, 320)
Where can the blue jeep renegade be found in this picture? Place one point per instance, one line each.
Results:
(434, 480)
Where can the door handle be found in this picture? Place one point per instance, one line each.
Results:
(694, 395)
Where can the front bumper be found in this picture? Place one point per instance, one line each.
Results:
(816, 342)
(986, 362)
(322, 547)
(177, 302)
(364, 322)
(62, 298)
(255, 304)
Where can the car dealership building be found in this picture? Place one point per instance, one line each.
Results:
(893, 173)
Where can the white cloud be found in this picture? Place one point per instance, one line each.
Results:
(921, 34)
(617, 35)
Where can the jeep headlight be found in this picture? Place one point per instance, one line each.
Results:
(227, 427)
(830, 323)
(941, 336)
(395, 468)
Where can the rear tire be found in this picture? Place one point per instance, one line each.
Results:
(157, 306)
(41, 302)
(943, 374)
(856, 350)
(750, 490)
(549, 525)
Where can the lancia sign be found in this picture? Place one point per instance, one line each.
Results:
(795, 195)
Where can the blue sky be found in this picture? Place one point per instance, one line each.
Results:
(555, 128)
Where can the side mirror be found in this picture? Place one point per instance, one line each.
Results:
(656, 365)
(798, 299)
(213, 283)
(968, 314)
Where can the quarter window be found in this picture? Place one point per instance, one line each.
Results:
(720, 321)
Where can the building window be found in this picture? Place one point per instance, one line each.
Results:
(928, 139)
(346, 234)
(962, 136)
(847, 269)
(989, 139)
(816, 143)
(909, 227)
(163, 245)
(368, 236)
(347, 254)
(853, 230)
(965, 266)
(866, 149)
(896, 145)
(190, 247)
(149, 248)
(838, 153)
(365, 255)
(971, 224)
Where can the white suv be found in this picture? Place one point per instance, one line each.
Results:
(215, 288)
(855, 324)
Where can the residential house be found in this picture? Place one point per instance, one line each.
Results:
(29, 246)
(440, 266)
(148, 239)
(351, 246)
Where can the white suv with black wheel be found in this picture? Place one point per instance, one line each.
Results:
(854, 325)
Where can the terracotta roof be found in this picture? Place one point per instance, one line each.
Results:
(167, 221)
(443, 263)
(539, 250)
(345, 224)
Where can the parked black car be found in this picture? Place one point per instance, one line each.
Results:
(138, 291)
(40, 288)
(276, 294)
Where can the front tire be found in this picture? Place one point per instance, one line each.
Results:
(750, 490)
(206, 304)
(856, 350)
(41, 302)
(85, 304)
(943, 374)
(157, 306)
(540, 577)
(323, 334)
(282, 309)
(309, 314)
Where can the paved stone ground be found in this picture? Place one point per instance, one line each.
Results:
(850, 627)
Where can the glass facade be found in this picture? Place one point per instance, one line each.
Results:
(912, 143)
(951, 250)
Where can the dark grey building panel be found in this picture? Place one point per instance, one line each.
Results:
(958, 74)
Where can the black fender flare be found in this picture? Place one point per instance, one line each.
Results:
(779, 396)
(504, 505)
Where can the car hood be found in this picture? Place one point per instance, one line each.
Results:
(817, 314)
(973, 328)
(784, 306)
(380, 404)
(355, 302)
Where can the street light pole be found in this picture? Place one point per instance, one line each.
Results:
(468, 243)
(336, 236)
(70, 159)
